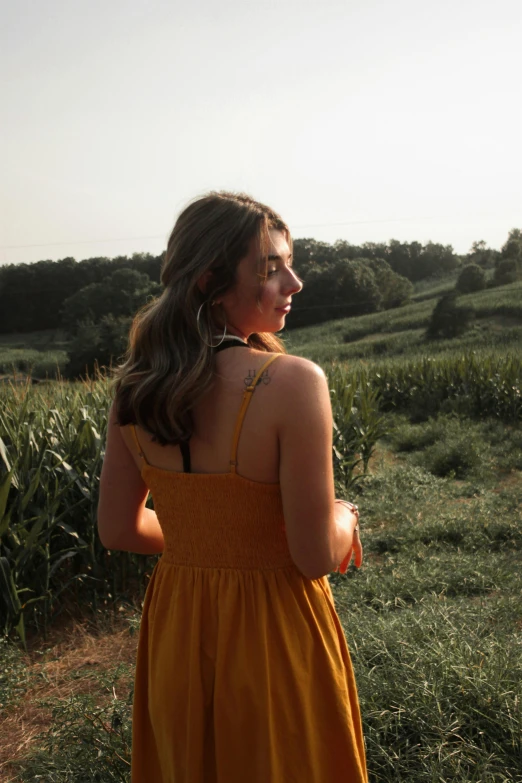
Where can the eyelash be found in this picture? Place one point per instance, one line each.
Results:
(274, 271)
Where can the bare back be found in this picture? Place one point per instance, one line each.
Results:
(215, 417)
(285, 440)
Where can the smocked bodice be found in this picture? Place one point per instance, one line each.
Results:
(219, 520)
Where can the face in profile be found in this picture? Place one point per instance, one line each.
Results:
(249, 308)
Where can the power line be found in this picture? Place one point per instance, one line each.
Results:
(365, 222)
(295, 226)
(82, 242)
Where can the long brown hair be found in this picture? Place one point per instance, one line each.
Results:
(168, 367)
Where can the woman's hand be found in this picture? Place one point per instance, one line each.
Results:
(356, 552)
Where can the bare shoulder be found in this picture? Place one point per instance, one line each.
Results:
(298, 385)
(294, 371)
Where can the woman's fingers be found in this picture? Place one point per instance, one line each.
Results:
(343, 568)
(358, 551)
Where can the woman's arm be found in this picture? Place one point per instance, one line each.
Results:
(123, 521)
(320, 532)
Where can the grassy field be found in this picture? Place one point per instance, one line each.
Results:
(433, 619)
(391, 334)
(39, 353)
(399, 333)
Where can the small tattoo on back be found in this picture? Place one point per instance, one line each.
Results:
(263, 378)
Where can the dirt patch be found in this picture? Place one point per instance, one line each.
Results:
(509, 481)
(68, 664)
(383, 457)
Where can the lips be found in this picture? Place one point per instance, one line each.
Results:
(285, 309)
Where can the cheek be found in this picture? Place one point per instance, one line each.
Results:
(269, 294)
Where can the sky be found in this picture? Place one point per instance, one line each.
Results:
(362, 120)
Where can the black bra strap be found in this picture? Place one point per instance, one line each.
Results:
(184, 445)
(185, 453)
(230, 344)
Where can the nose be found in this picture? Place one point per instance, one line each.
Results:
(294, 283)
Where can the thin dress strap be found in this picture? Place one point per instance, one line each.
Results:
(244, 405)
(184, 446)
(141, 455)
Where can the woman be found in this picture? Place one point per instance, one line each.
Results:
(243, 673)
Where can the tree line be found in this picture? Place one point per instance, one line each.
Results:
(93, 300)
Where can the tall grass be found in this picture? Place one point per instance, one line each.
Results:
(51, 450)
(433, 620)
(40, 364)
(505, 302)
(472, 385)
(52, 445)
(52, 442)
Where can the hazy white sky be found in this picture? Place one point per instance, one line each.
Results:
(358, 119)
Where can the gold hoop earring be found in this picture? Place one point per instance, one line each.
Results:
(198, 325)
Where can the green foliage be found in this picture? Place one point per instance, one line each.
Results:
(448, 446)
(51, 451)
(118, 296)
(340, 288)
(448, 319)
(97, 345)
(395, 289)
(508, 267)
(507, 271)
(85, 743)
(358, 425)
(407, 437)
(428, 681)
(408, 259)
(32, 295)
(471, 385)
(14, 676)
(482, 255)
(456, 457)
(473, 445)
(39, 364)
(432, 620)
(471, 279)
(493, 307)
(512, 249)
(348, 287)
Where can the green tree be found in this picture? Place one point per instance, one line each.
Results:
(448, 318)
(99, 345)
(395, 289)
(119, 295)
(472, 278)
(339, 289)
(482, 255)
(512, 248)
(508, 268)
(309, 255)
(506, 271)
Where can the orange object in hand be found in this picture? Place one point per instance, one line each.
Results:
(343, 567)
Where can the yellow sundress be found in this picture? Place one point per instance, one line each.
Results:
(243, 674)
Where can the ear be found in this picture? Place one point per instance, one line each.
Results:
(204, 280)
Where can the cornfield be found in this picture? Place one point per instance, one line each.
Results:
(52, 441)
(51, 452)
(474, 385)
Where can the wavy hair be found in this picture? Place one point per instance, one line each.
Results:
(168, 367)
